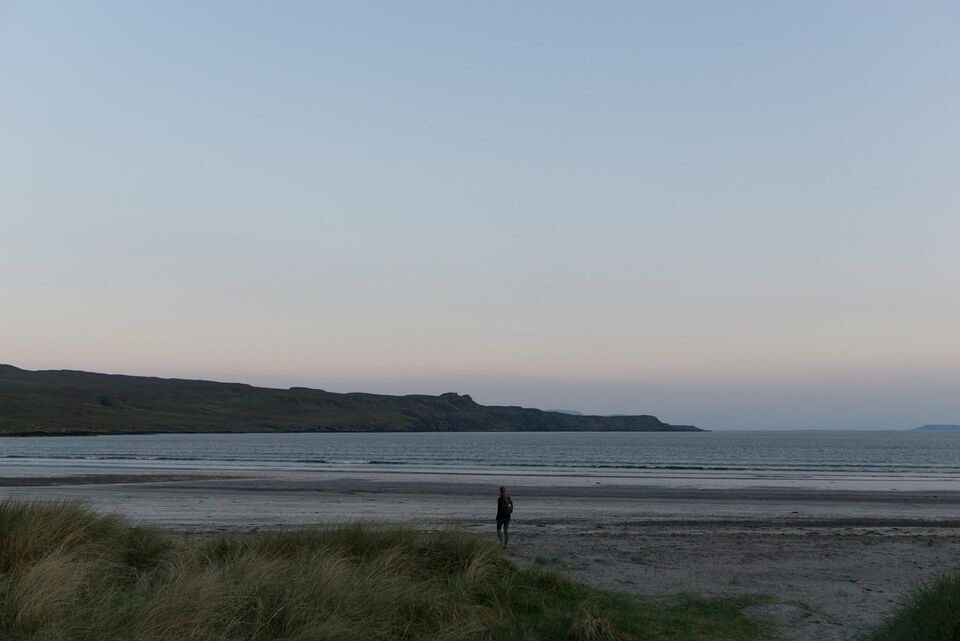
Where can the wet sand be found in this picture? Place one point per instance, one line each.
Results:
(836, 560)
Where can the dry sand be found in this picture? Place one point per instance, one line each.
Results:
(836, 560)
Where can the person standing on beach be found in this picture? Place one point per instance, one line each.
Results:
(504, 511)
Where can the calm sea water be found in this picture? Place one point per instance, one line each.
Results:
(902, 455)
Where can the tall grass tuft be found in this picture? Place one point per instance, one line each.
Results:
(931, 612)
(70, 574)
(588, 625)
(31, 531)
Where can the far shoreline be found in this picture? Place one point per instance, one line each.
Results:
(684, 429)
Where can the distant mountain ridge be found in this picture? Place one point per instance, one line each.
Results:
(68, 402)
(944, 427)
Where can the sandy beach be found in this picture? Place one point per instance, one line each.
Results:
(835, 561)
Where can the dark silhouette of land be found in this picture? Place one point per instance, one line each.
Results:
(67, 402)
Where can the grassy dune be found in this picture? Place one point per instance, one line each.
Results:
(930, 613)
(67, 573)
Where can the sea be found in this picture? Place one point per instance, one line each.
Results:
(765, 456)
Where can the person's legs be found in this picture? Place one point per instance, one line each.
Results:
(499, 528)
(506, 530)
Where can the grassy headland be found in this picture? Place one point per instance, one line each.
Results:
(69, 574)
(60, 402)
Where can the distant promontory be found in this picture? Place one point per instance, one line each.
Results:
(67, 402)
(938, 428)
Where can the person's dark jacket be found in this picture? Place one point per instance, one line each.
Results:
(504, 508)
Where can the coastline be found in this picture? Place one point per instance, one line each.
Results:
(687, 429)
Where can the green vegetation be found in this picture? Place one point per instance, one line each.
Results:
(68, 402)
(69, 574)
(930, 613)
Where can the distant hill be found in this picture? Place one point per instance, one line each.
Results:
(938, 428)
(64, 402)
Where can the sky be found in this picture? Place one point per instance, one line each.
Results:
(738, 215)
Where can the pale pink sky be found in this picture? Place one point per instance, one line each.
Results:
(739, 216)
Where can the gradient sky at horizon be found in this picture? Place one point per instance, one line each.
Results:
(735, 215)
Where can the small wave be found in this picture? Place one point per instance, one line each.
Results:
(759, 467)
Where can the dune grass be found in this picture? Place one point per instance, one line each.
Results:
(68, 573)
(931, 612)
